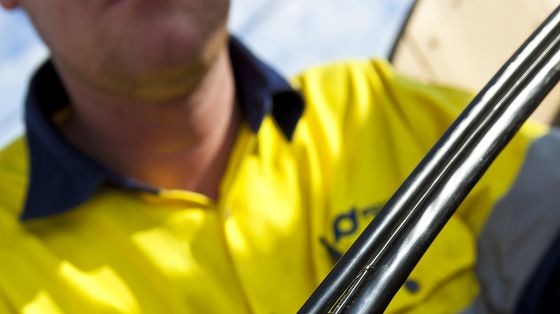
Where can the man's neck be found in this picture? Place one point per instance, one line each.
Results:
(179, 144)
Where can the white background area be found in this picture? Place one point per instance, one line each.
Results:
(289, 34)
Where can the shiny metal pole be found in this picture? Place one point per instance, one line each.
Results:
(375, 267)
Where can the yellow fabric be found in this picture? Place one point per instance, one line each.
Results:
(262, 247)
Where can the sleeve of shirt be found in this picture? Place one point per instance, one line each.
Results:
(540, 294)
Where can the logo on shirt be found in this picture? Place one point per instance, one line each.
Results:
(348, 224)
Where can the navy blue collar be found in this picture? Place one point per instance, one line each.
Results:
(61, 177)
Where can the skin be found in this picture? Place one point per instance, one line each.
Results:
(150, 85)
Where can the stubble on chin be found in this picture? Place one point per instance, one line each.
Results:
(166, 71)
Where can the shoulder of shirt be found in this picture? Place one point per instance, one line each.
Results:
(344, 94)
(369, 77)
(345, 83)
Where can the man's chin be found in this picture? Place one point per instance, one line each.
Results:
(153, 82)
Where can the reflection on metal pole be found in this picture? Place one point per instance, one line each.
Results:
(375, 267)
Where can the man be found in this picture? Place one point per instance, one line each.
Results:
(166, 169)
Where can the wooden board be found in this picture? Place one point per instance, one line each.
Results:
(464, 42)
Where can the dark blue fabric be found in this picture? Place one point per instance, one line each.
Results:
(61, 177)
(542, 293)
(261, 91)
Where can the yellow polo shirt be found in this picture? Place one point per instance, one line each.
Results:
(287, 207)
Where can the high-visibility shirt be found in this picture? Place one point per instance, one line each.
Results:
(301, 184)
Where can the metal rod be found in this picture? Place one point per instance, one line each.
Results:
(374, 268)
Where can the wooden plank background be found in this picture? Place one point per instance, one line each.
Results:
(464, 42)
